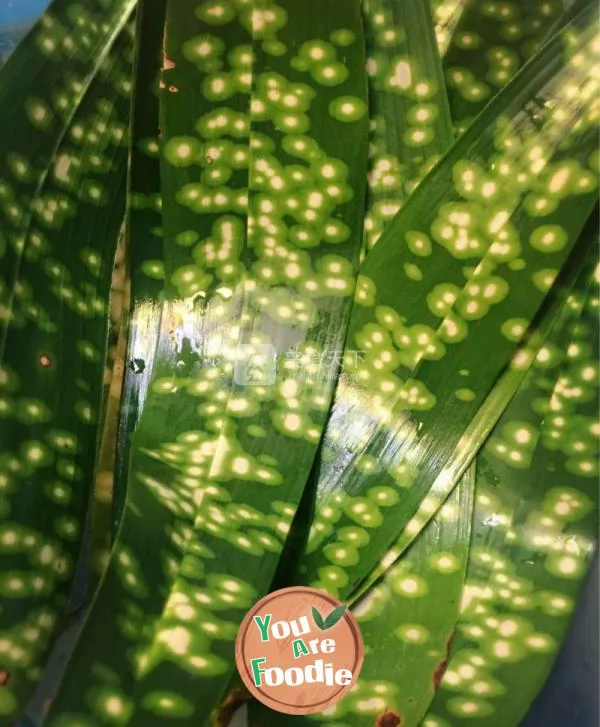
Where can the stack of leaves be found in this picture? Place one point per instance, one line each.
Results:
(354, 346)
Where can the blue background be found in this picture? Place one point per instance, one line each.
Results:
(17, 12)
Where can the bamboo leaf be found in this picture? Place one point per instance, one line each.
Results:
(406, 420)
(428, 616)
(163, 337)
(411, 126)
(570, 12)
(62, 177)
(390, 100)
(124, 605)
(399, 38)
(407, 620)
(144, 235)
(250, 440)
(563, 313)
(102, 506)
(504, 390)
(490, 43)
(535, 525)
(40, 101)
(388, 104)
(246, 205)
(314, 333)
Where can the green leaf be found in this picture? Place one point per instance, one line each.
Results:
(63, 165)
(535, 526)
(446, 14)
(233, 453)
(317, 618)
(407, 621)
(144, 228)
(336, 615)
(253, 546)
(547, 346)
(490, 43)
(102, 506)
(411, 404)
(409, 617)
(399, 38)
(411, 126)
(130, 592)
(275, 446)
(252, 165)
(40, 102)
(551, 316)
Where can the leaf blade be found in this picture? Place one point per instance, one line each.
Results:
(411, 129)
(529, 488)
(387, 443)
(511, 37)
(71, 209)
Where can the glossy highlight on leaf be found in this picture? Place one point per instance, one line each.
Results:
(446, 14)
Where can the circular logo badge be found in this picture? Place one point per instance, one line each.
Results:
(299, 650)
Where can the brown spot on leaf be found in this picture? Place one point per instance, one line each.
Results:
(4, 677)
(389, 719)
(440, 669)
(450, 643)
(438, 674)
(167, 62)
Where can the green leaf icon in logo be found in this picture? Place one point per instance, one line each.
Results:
(331, 620)
(317, 618)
